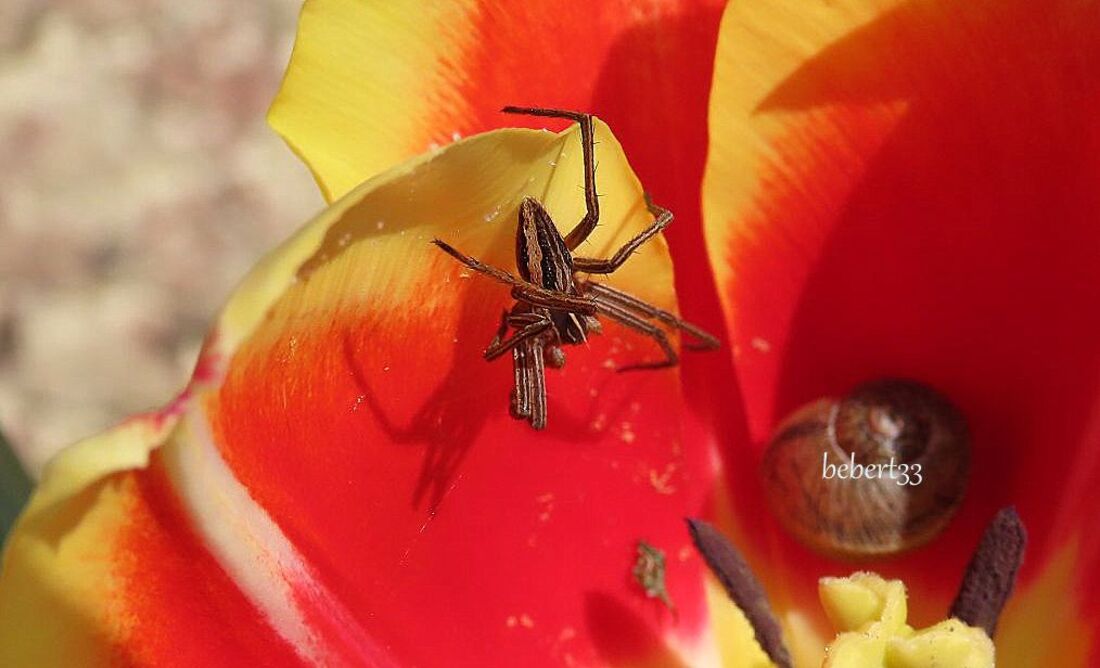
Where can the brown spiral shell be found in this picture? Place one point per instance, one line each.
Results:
(871, 515)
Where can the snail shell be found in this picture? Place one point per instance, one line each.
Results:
(875, 513)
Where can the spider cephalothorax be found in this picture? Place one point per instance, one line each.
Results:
(556, 307)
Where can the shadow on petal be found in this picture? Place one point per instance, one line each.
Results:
(622, 637)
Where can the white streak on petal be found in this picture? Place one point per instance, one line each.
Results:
(258, 557)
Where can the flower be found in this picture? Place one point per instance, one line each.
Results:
(341, 484)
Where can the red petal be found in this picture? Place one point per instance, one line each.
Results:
(915, 194)
(362, 418)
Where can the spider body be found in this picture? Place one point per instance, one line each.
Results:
(543, 259)
(555, 306)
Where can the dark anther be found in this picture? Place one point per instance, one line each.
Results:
(742, 587)
(991, 574)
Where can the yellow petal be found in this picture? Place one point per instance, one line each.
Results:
(348, 109)
(56, 583)
(736, 641)
(1042, 624)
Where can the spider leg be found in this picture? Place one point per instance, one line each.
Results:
(522, 290)
(553, 299)
(518, 320)
(706, 341)
(534, 328)
(662, 219)
(477, 265)
(529, 380)
(537, 378)
(501, 330)
(584, 228)
(625, 317)
(521, 388)
(529, 393)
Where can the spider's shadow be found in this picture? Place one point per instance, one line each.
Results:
(472, 390)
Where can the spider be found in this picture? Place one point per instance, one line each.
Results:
(554, 305)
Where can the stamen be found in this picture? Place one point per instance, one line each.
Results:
(742, 587)
(991, 574)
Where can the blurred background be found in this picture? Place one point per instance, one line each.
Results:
(138, 183)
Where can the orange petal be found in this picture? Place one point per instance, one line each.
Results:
(342, 484)
(909, 189)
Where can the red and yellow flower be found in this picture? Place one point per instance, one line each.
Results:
(862, 189)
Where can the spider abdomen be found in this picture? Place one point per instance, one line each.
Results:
(541, 254)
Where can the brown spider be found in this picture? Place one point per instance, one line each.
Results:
(556, 307)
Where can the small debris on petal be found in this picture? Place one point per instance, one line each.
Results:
(547, 503)
(760, 344)
(626, 432)
(649, 572)
(495, 213)
(661, 481)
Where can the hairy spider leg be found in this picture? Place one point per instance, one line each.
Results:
(662, 219)
(537, 377)
(529, 391)
(533, 328)
(552, 299)
(522, 290)
(591, 218)
(521, 385)
(502, 328)
(705, 341)
(625, 317)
